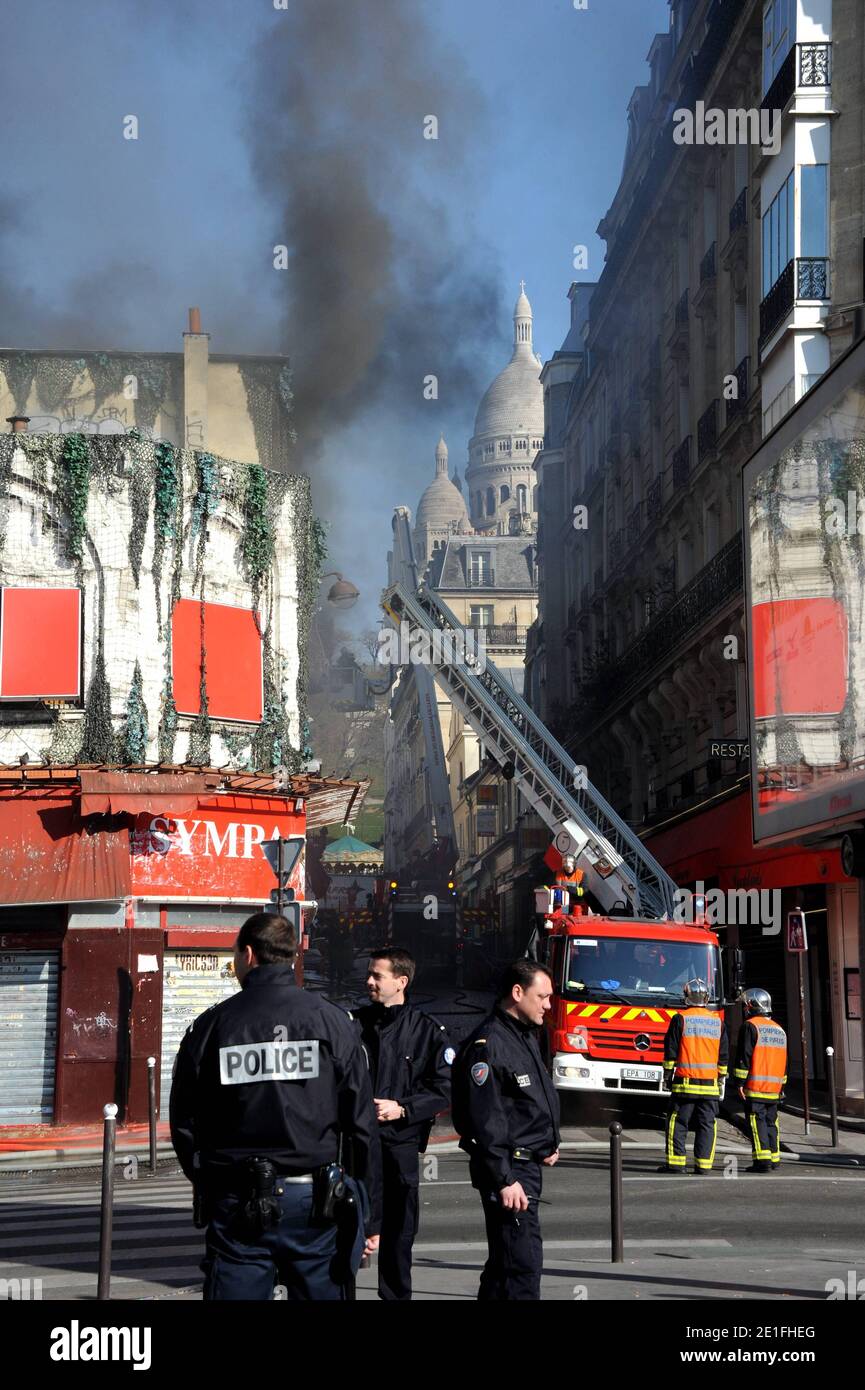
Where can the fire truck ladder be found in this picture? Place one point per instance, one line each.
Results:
(618, 868)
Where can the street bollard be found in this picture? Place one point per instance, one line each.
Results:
(151, 1110)
(833, 1099)
(106, 1222)
(617, 1240)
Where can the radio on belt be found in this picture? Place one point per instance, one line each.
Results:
(268, 1061)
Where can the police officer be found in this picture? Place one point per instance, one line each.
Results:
(506, 1111)
(410, 1064)
(270, 1086)
(695, 1068)
(761, 1070)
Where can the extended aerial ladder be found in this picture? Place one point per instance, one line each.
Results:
(618, 869)
(404, 574)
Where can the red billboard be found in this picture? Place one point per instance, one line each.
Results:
(804, 508)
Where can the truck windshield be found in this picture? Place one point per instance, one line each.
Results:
(604, 969)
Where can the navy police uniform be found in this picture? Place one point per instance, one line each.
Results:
(276, 1073)
(410, 1062)
(506, 1110)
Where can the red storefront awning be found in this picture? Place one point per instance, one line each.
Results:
(119, 793)
(48, 855)
(716, 843)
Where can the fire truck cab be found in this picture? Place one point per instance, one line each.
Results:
(617, 984)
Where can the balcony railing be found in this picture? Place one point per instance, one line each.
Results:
(715, 585)
(681, 315)
(812, 277)
(737, 403)
(707, 265)
(682, 463)
(654, 500)
(739, 212)
(503, 634)
(805, 278)
(778, 302)
(815, 64)
(707, 431)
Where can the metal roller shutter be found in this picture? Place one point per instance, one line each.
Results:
(29, 982)
(194, 979)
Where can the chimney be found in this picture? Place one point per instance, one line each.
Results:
(196, 356)
(19, 423)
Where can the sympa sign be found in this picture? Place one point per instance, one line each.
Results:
(214, 853)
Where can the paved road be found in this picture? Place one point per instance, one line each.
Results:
(743, 1237)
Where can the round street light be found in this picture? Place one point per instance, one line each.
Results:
(343, 593)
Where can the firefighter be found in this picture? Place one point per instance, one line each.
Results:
(761, 1070)
(695, 1069)
(506, 1111)
(568, 885)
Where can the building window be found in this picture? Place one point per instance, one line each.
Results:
(522, 498)
(504, 493)
(482, 615)
(778, 236)
(481, 567)
(504, 446)
(814, 202)
(491, 500)
(522, 444)
(489, 449)
(779, 29)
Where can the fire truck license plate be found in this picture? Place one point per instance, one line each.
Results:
(639, 1074)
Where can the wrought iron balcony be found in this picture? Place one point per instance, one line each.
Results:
(707, 265)
(707, 431)
(504, 634)
(812, 277)
(682, 463)
(737, 403)
(739, 212)
(780, 94)
(654, 500)
(805, 278)
(681, 314)
(815, 64)
(710, 590)
(778, 302)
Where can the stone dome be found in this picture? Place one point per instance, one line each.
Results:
(514, 402)
(442, 505)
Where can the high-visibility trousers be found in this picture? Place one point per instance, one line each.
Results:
(762, 1118)
(684, 1114)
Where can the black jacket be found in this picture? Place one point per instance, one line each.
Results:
(241, 1087)
(503, 1098)
(410, 1060)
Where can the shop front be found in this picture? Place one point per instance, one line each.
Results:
(121, 902)
(759, 885)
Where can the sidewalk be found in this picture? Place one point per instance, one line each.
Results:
(815, 1147)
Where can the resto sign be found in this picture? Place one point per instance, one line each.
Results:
(214, 853)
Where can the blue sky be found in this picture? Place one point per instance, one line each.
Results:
(104, 242)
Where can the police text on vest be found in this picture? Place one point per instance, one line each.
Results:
(268, 1061)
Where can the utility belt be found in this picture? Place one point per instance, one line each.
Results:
(528, 1156)
(258, 1184)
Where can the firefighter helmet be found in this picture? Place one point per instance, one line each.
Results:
(696, 992)
(757, 1001)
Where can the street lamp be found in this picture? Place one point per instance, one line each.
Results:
(343, 593)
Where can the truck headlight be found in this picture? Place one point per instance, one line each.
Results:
(578, 1040)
